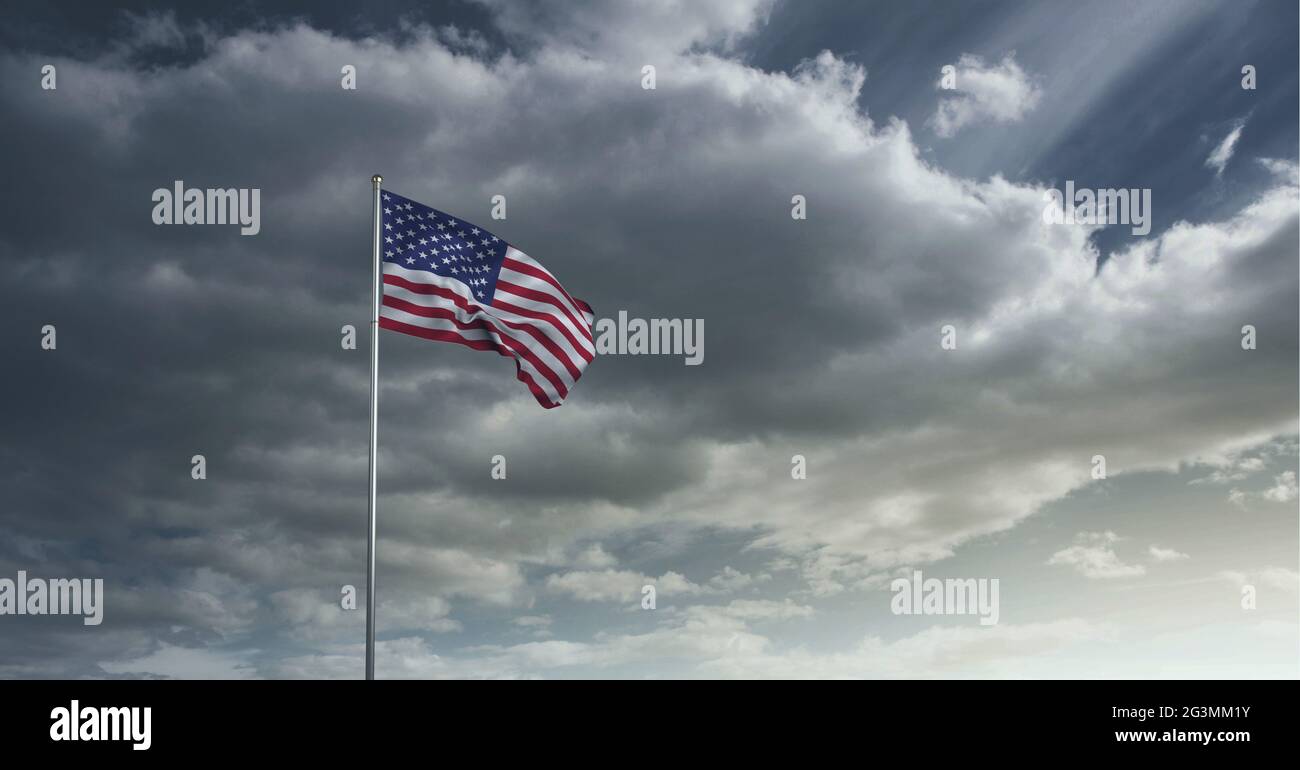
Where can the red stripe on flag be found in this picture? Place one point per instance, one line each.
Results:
(540, 296)
(542, 275)
(461, 302)
(550, 319)
(482, 324)
(450, 336)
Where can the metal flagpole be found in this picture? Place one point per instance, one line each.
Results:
(377, 180)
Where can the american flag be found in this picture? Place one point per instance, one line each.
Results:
(446, 279)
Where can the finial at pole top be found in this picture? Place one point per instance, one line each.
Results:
(376, 179)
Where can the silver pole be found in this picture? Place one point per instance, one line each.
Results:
(375, 289)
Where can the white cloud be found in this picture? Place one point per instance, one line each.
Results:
(594, 557)
(1232, 469)
(1279, 578)
(629, 29)
(174, 662)
(1286, 170)
(1283, 489)
(1165, 554)
(610, 585)
(717, 641)
(1094, 557)
(458, 571)
(1222, 153)
(617, 585)
(998, 93)
(731, 579)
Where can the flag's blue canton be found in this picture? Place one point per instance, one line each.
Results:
(417, 237)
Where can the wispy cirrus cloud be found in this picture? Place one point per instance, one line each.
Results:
(1222, 153)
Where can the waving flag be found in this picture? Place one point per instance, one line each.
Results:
(448, 280)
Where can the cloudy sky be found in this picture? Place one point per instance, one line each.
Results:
(924, 209)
